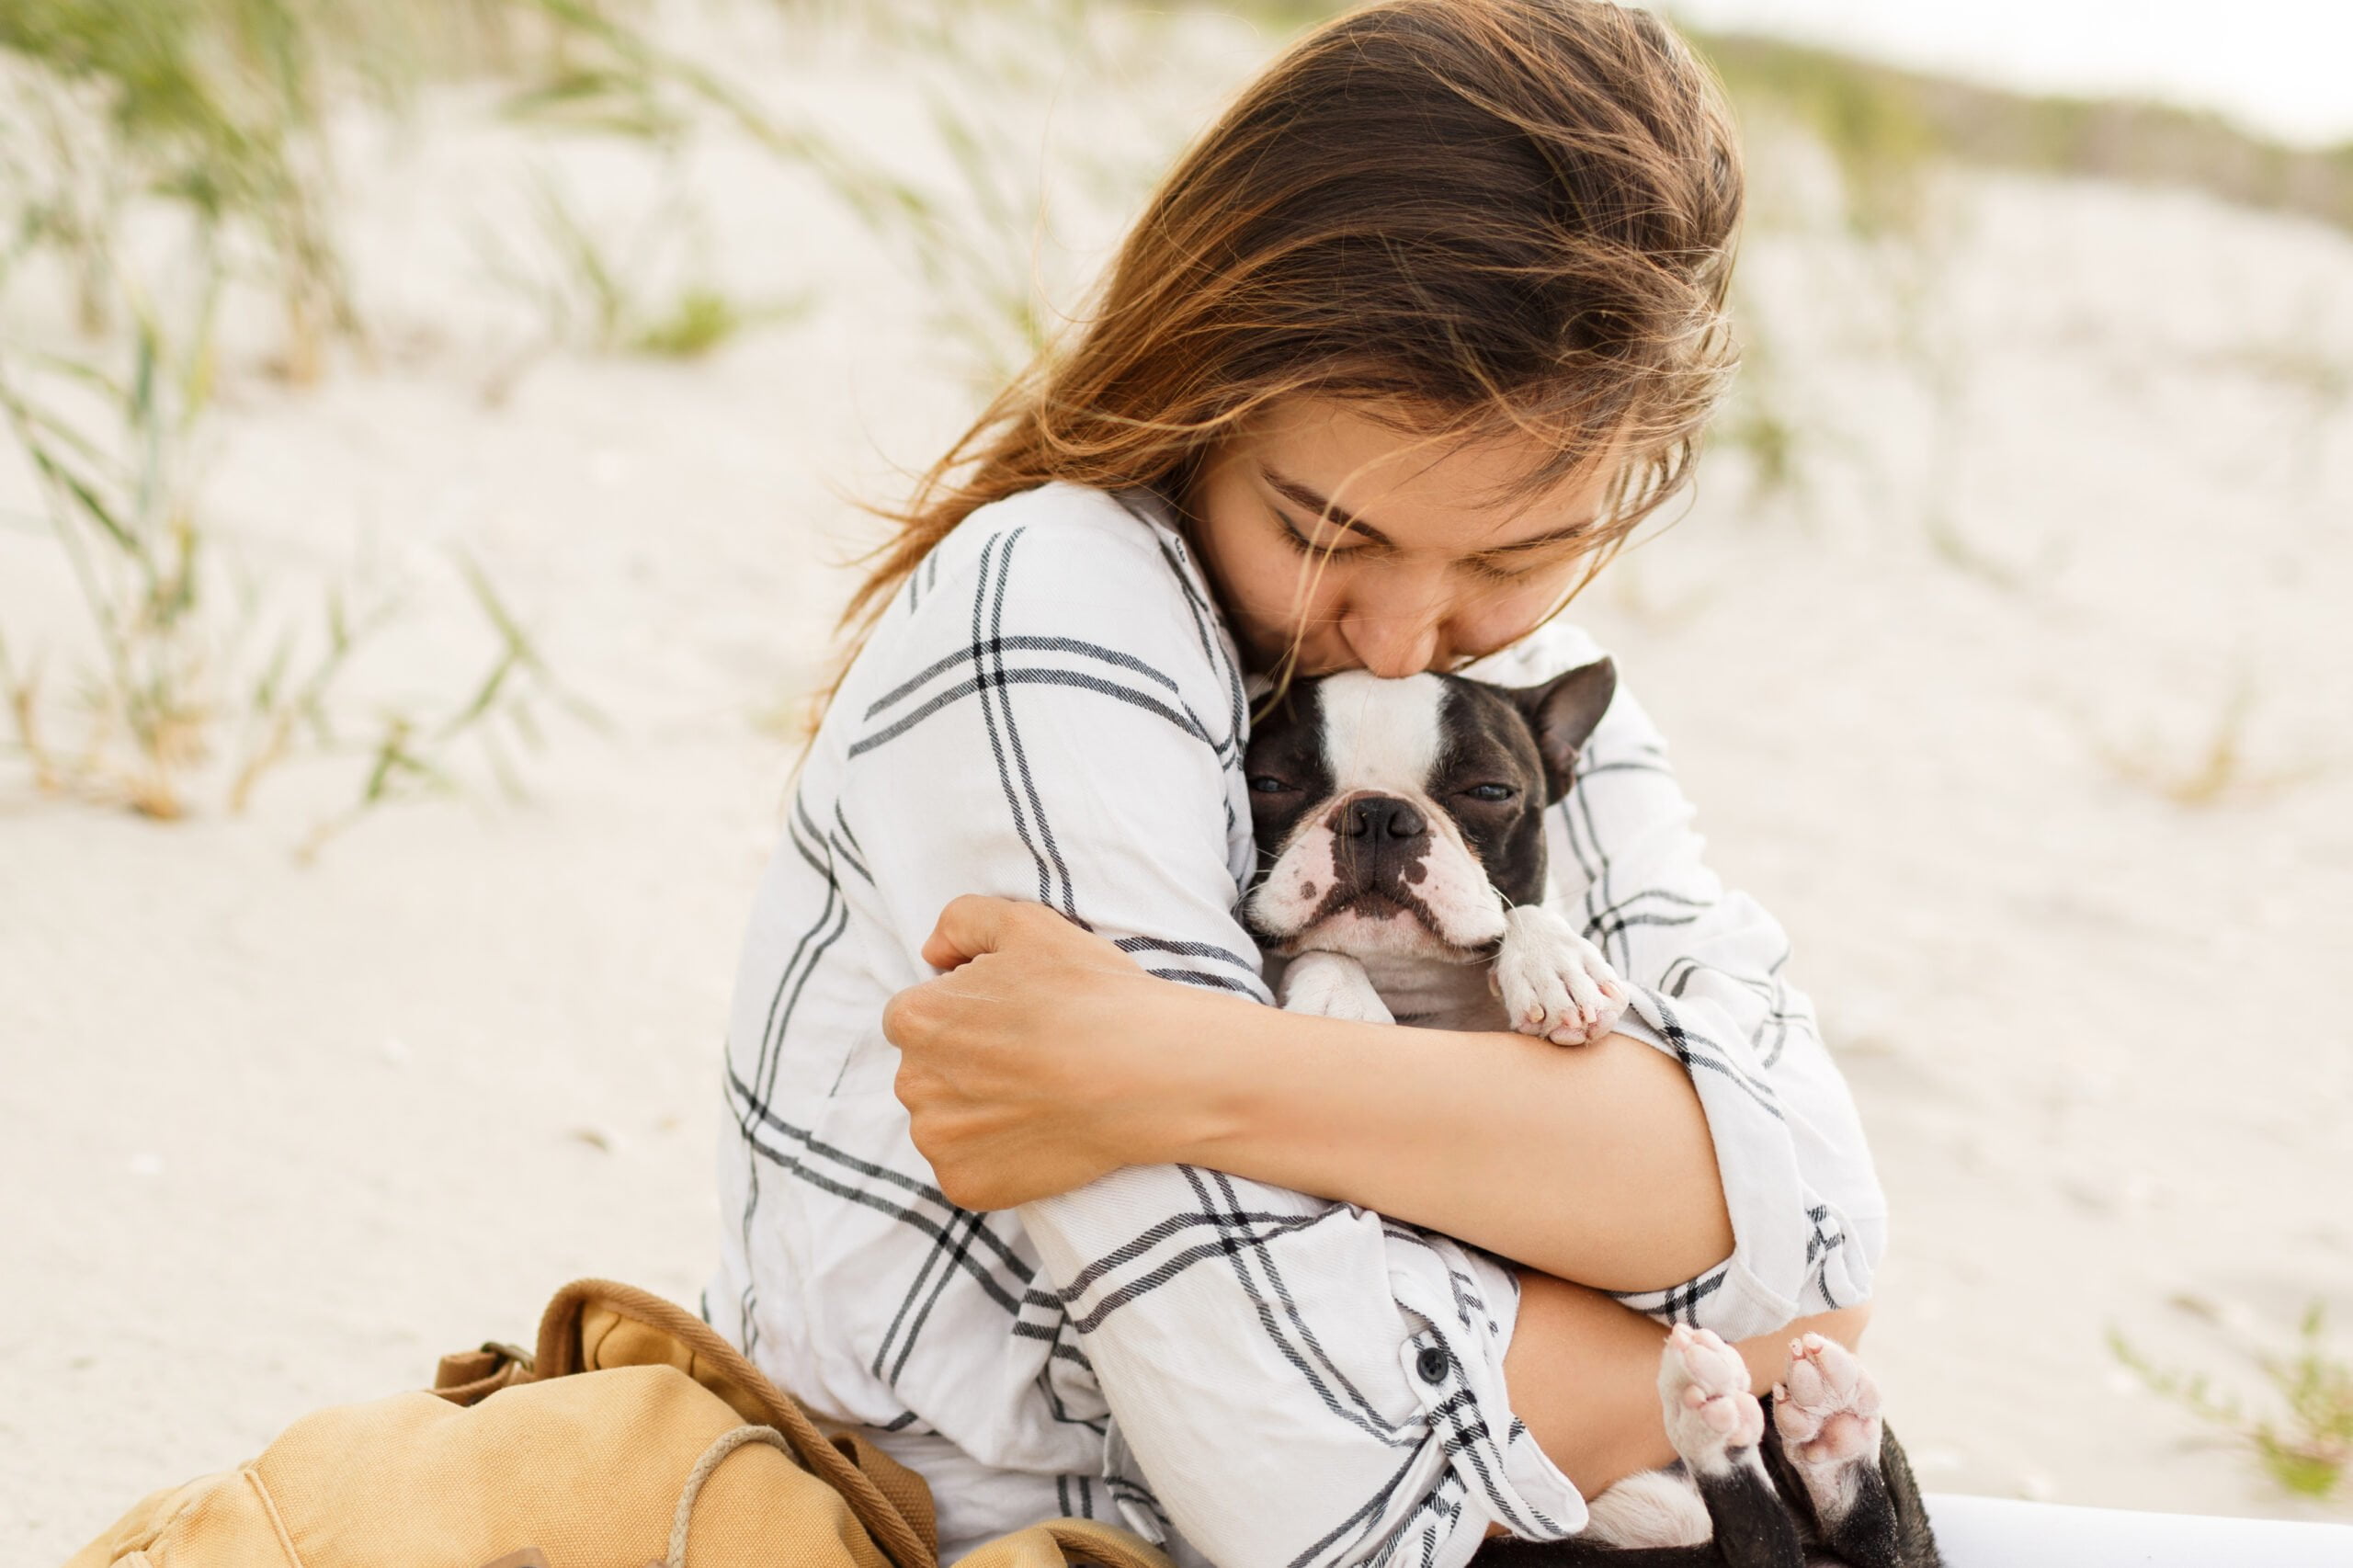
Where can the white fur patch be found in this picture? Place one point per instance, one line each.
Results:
(1553, 983)
(1827, 1410)
(1655, 1507)
(1711, 1418)
(1333, 985)
(1381, 736)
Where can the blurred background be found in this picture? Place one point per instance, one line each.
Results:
(429, 437)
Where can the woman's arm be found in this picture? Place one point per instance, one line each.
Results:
(1459, 1132)
(1741, 1125)
(1144, 1075)
(1451, 1131)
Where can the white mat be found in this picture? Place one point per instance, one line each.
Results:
(1998, 1532)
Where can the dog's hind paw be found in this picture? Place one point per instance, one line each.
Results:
(1825, 1414)
(1552, 981)
(1826, 1408)
(1703, 1391)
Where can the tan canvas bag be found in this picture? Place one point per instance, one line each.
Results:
(635, 1437)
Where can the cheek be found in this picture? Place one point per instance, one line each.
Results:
(1492, 619)
(1272, 591)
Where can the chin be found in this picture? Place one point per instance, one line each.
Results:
(1377, 929)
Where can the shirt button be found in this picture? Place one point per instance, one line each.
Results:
(1431, 1364)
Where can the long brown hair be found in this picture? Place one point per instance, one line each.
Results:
(1487, 218)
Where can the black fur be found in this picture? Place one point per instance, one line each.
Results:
(1286, 768)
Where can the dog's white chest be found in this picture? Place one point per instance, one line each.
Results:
(1436, 995)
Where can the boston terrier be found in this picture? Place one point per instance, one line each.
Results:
(1401, 878)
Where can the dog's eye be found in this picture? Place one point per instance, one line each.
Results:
(1267, 784)
(1490, 791)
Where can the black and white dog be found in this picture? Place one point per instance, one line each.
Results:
(1400, 876)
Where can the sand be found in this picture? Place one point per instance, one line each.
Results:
(279, 1132)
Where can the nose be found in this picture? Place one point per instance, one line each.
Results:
(1392, 625)
(1377, 821)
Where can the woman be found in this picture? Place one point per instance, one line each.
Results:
(1392, 363)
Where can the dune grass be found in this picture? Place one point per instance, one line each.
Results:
(199, 685)
(1883, 123)
(2215, 769)
(640, 294)
(222, 109)
(2308, 1446)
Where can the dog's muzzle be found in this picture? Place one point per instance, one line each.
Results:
(1380, 844)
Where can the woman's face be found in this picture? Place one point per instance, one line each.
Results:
(1413, 565)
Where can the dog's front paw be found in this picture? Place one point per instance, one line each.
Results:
(1333, 985)
(1703, 1392)
(1553, 983)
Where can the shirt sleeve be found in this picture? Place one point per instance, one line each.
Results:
(1707, 968)
(1290, 1382)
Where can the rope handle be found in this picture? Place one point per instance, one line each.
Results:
(726, 1443)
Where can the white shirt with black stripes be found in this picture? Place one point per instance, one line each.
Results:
(1052, 710)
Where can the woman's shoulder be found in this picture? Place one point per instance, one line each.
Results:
(1075, 535)
(1064, 584)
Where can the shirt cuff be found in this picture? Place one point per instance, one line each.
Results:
(1467, 1304)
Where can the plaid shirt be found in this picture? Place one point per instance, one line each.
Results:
(1052, 710)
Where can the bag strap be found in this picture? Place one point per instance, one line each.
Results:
(698, 1350)
(725, 1444)
(468, 1377)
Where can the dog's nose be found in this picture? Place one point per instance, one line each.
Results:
(1380, 817)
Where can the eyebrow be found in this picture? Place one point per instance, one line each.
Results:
(1300, 496)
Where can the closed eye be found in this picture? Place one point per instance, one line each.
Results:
(1267, 784)
(1495, 570)
(1297, 538)
(1490, 791)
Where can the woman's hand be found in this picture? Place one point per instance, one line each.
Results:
(1039, 1062)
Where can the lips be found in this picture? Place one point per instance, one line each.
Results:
(1374, 903)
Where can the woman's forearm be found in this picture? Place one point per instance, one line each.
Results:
(1046, 1057)
(1590, 1162)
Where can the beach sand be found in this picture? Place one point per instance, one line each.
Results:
(280, 1134)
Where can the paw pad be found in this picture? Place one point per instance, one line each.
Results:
(1703, 1391)
(1826, 1406)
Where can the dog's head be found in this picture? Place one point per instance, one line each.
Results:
(1403, 817)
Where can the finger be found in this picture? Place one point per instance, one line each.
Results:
(972, 924)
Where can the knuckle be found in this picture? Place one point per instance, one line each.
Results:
(919, 1134)
(906, 1017)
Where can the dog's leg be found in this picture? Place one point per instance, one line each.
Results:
(1333, 985)
(1552, 981)
(1825, 1414)
(1716, 1423)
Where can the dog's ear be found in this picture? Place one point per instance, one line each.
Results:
(1563, 712)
